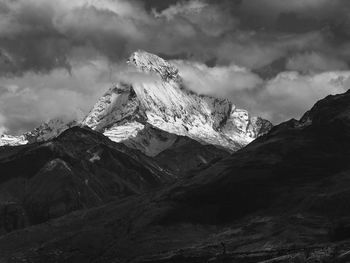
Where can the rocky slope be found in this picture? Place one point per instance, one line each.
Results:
(77, 170)
(127, 111)
(283, 198)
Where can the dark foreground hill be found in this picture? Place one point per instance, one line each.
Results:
(79, 169)
(285, 197)
(82, 169)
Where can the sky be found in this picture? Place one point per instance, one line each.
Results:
(274, 58)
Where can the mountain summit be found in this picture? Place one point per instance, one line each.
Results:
(152, 111)
(131, 112)
(150, 63)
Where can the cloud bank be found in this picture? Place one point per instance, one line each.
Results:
(288, 95)
(56, 56)
(28, 100)
(40, 36)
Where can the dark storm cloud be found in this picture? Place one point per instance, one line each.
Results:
(290, 16)
(288, 95)
(30, 99)
(223, 41)
(43, 35)
(29, 38)
(158, 5)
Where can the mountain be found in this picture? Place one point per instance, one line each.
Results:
(46, 131)
(158, 116)
(283, 198)
(49, 130)
(77, 170)
(158, 100)
(156, 113)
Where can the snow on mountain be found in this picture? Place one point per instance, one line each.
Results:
(46, 131)
(150, 114)
(49, 130)
(127, 110)
(12, 140)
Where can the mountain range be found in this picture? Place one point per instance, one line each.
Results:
(157, 173)
(138, 136)
(149, 115)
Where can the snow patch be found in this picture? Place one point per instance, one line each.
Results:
(12, 140)
(95, 157)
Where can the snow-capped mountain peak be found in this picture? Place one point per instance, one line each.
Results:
(128, 110)
(150, 63)
(116, 104)
(151, 115)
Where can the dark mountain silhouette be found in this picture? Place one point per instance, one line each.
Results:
(82, 169)
(79, 169)
(283, 197)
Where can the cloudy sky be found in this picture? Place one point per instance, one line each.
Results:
(275, 58)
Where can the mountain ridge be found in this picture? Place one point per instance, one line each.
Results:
(283, 198)
(164, 103)
(128, 111)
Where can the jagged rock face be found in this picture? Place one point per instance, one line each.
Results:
(151, 63)
(118, 103)
(163, 103)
